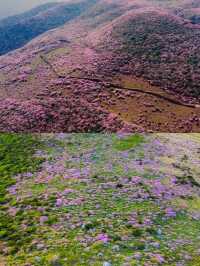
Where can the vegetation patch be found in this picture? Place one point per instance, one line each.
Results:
(16, 157)
(129, 142)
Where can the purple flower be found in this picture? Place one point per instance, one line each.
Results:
(59, 202)
(147, 222)
(66, 177)
(12, 190)
(136, 179)
(137, 256)
(67, 191)
(12, 211)
(43, 219)
(40, 209)
(159, 258)
(103, 238)
(29, 175)
(169, 212)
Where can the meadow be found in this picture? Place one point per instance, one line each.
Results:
(99, 199)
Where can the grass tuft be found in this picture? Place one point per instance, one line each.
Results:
(129, 142)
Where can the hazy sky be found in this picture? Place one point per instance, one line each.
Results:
(12, 7)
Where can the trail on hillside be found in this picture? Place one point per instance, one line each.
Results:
(113, 85)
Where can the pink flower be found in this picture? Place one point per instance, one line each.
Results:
(59, 202)
(136, 179)
(67, 191)
(159, 258)
(103, 238)
(12, 211)
(12, 190)
(170, 212)
(43, 219)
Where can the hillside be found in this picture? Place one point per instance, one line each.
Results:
(135, 60)
(155, 45)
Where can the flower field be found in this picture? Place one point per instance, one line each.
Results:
(100, 199)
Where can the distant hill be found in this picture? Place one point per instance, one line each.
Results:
(15, 7)
(12, 20)
(18, 30)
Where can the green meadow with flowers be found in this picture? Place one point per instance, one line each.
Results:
(100, 199)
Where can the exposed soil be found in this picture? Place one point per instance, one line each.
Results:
(153, 113)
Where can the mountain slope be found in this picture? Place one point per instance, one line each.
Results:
(145, 46)
(157, 46)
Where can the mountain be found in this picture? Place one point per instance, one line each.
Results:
(18, 30)
(159, 46)
(136, 62)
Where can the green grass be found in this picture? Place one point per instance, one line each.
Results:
(16, 157)
(128, 142)
(16, 152)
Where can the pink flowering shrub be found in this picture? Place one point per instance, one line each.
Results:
(154, 44)
(54, 115)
